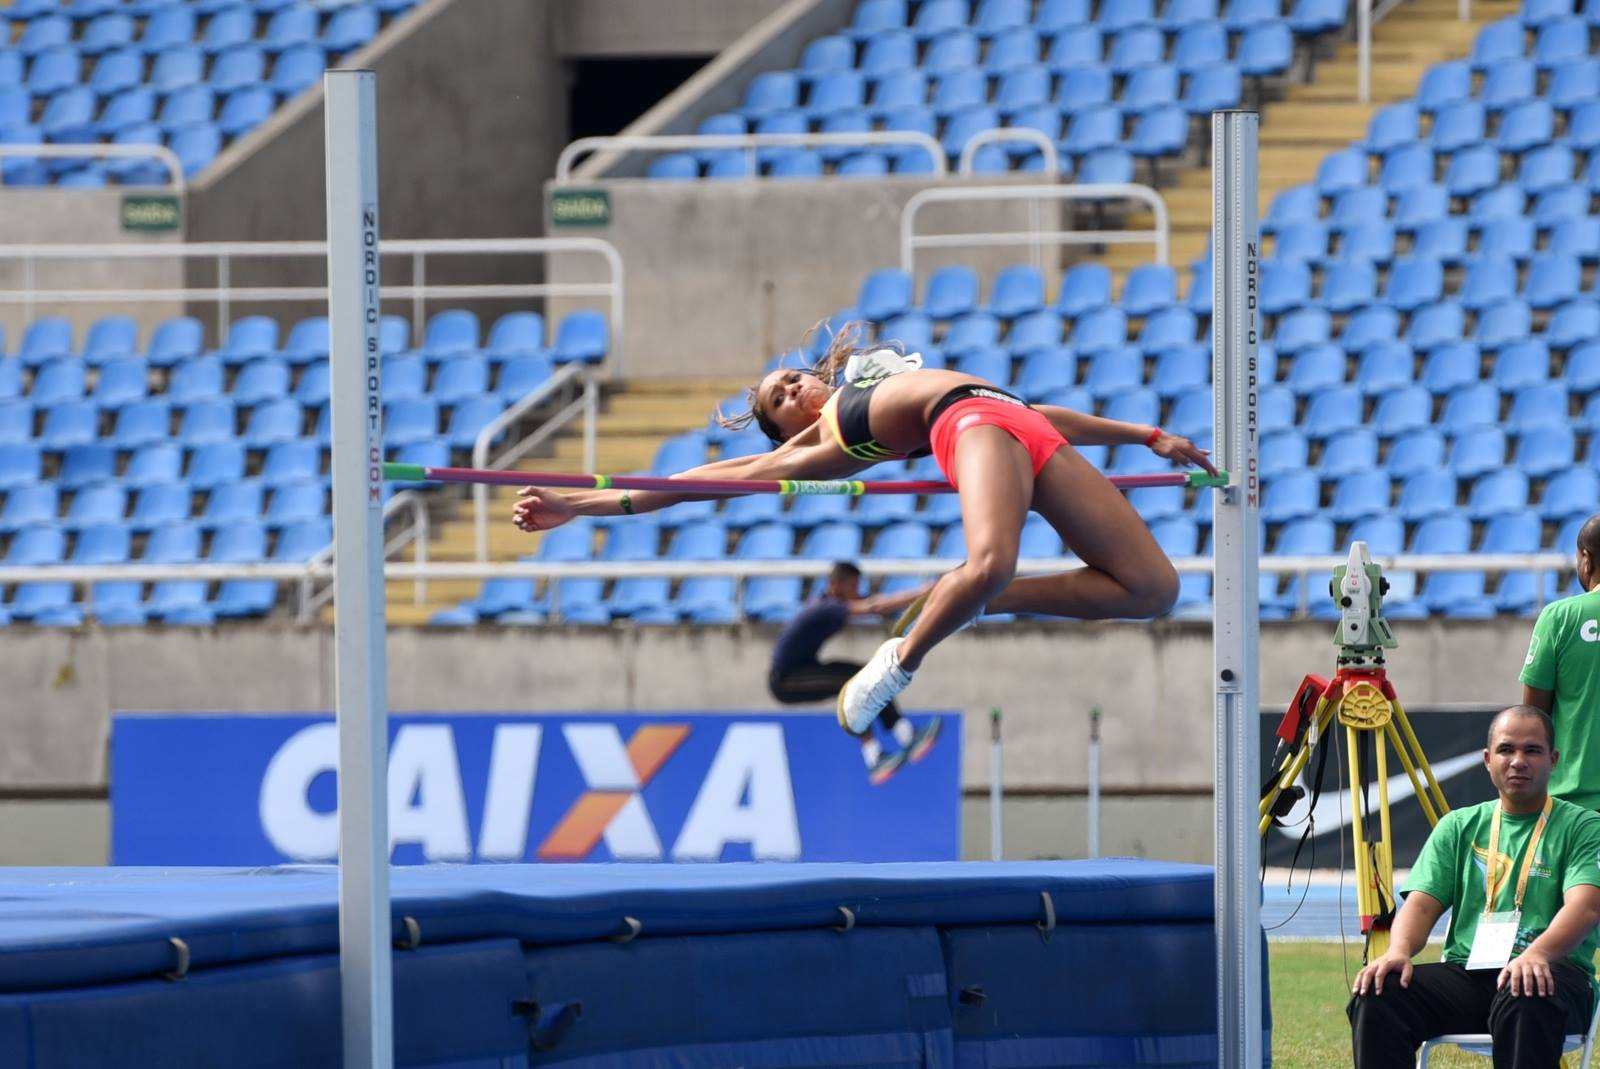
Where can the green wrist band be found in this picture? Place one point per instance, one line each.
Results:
(627, 503)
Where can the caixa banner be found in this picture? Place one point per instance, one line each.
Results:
(253, 790)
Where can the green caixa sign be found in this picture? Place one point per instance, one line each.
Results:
(580, 207)
(151, 213)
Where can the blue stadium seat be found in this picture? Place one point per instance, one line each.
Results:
(1301, 241)
(977, 330)
(1520, 365)
(29, 506)
(1276, 409)
(68, 424)
(1369, 326)
(35, 601)
(1546, 451)
(1393, 126)
(1301, 329)
(1537, 406)
(1414, 453)
(1583, 368)
(291, 26)
(1384, 366)
(521, 375)
(296, 502)
(1283, 452)
(1445, 240)
(274, 421)
(261, 380)
(216, 463)
(951, 291)
(1553, 280)
(300, 541)
(460, 378)
(1569, 493)
(1349, 454)
(1476, 405)
(1502, 324)
(582, 337)
(243, 67)
(1561, 204)
(1017, 291)
(1580, 238)
(1457, 595)
(57, 381)
(1497, 491)
(173, 543)
(1297, 204)
(1036, 330)
(1489, 280)
(1045, 372)
(1476, 451)
(298, 69)
(1348, 285)
(1291, 497)
(1443, 534)
(1384, 535)
(1427, 493)
(1573, 84)
(874, 17)
(175, 340)
(1013, 49)
(1170, 327)
(1084, 288)
(1450, 367)
(889, 54)
(47, 338)
(101, 503)
(155, 463)
(884, 294)
(1316, 368)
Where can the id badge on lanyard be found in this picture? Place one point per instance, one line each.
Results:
(1495, 938)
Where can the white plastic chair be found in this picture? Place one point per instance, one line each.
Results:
(1480, 1043)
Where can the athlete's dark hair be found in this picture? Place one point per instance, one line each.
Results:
(841, 347)
(1525, 710)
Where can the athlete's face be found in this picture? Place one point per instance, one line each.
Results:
(1520, 760)
(791, 399)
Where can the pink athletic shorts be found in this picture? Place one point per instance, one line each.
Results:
(1028, 426)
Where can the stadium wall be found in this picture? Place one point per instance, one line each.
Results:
(79, 216)
(721, 275)
(1151, 681)
(592, 29)
(471, 113)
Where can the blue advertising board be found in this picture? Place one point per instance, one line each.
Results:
(257, 790)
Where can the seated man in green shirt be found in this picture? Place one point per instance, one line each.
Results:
(1561, 675)
(1521, 878)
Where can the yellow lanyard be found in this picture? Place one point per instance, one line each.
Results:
(1492, 888)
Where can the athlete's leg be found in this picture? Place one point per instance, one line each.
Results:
(1125, 573)
(996, 480)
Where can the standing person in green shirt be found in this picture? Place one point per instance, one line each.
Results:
(1561, 675)
(1521, 878)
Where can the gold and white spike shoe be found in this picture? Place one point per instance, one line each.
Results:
(866, 693)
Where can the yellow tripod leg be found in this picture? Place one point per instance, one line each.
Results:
(1434, 790)
(1382, 854)
(1296, 763)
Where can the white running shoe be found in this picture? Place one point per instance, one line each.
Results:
(866, 693)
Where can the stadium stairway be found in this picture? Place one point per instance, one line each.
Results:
(636, 416)
(1319, 117)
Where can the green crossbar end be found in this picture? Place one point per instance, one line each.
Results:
(405, 473)
(1202, 479)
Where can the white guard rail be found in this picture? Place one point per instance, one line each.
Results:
(749, 143)
(100, 151)
(1159, 234)
(423, 570)
(225, 254)
(1036, 138)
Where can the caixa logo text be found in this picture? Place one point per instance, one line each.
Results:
(744, 796)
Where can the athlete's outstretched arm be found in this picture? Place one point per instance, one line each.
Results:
(1080, 428)
(808, 455)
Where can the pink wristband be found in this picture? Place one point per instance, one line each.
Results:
(1155, 433)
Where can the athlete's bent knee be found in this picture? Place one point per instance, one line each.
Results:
(1157, 592)
(991, 570)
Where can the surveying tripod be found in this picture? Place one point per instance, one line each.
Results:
(1364, 701)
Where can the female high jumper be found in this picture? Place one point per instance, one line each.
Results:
(1005, 458)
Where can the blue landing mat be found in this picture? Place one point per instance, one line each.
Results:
(68, 927)
(1044, 965)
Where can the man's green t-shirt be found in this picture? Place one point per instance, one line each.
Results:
(1567, 635)
(1451, 869)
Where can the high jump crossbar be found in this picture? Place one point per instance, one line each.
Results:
(1236, 627)
(416, 473)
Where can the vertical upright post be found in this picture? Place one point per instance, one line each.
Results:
(1235, 632)
(1094, 782)
(365, 965)
(997, 820)
(1364, 49)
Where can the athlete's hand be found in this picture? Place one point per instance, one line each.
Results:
(1179, 450)
(539, 509)
(1370, 979)
(1527, 974)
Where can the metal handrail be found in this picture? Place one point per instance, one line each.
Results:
(418, 534)
(101, 150)
(587, 403)
(1047, 147)
(1160, 234)
(748, 142)
(423, 570)
(225, 252)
